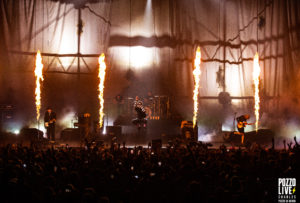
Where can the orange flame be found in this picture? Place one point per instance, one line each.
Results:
(38, 72)
(101, 76)
(256, 75)
(196, 74)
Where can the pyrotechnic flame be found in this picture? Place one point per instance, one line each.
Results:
(101, 76)
(256, 74)
(196, 74)
(38, 72)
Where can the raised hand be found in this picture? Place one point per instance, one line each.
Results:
(296, 143)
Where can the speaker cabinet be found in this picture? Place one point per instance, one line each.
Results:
(114, 130)
(70, 134)
(31, 134)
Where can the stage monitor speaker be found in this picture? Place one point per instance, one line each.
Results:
(31, 134)
(114, 130)
(70, 134)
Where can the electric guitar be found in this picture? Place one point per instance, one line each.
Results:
(242, 124)
(51, 121)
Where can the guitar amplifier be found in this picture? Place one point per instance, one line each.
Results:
(70, 134)
(187, 130)
(31, 134)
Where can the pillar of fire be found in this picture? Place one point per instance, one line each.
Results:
(196, 74)
(38, 72)
(101, 76)
(256, 75)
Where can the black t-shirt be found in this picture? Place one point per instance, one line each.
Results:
(141, 113)
(50, 117)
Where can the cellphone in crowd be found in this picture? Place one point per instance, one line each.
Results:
(131, 151)
(159, 163)
(24, 165)
(152, 174)
(136, 176)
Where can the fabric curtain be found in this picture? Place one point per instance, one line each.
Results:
(150, 45)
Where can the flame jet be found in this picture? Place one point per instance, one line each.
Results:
(38, 72)
(256, 75)
(196, 73)
(101, 76)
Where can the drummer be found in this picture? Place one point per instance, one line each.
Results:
(137, 101)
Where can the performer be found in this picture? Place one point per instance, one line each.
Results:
(241, 124)
(49, 120)
(141, 113)
(137, 102)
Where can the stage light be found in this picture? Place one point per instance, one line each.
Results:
(106, 123)
(136, 57)
(148, 27)
(16, 131)
(141, 57)
(233, 85)
(104, 130)
(149, 4)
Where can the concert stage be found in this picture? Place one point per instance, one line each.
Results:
(130, 134)
(263, 136)
(163, 131)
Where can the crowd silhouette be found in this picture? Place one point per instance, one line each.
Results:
(181, 172)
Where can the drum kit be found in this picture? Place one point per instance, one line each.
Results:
(156, 107)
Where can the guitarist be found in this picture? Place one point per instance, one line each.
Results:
(49, 120)
(241, 124)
